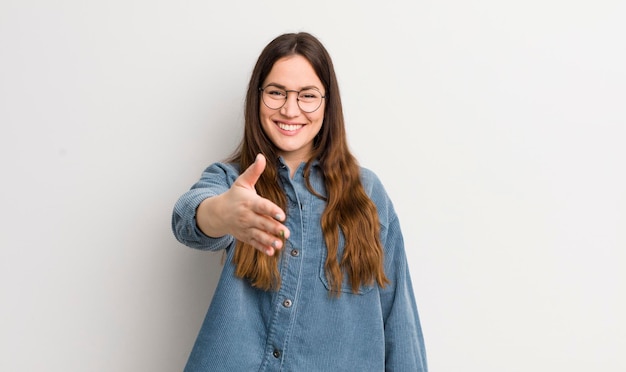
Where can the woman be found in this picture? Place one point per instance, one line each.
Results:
(316, 276)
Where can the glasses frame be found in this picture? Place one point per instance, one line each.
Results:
(287, 91)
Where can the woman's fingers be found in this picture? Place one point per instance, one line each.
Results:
(272, 217)
(266, 243)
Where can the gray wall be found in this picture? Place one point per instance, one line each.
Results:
(497, 127)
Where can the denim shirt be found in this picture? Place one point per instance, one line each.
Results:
(300, 326)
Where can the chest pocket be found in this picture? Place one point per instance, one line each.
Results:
(345, 283)
(312, 226)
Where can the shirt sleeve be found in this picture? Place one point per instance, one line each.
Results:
(404, 341)
(215, 180)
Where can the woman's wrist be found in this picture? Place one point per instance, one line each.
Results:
(208, 218)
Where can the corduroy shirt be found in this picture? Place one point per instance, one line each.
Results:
(301, 326)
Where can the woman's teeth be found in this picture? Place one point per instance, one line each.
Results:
(288, 127)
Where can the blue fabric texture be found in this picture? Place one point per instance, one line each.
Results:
(301, 327)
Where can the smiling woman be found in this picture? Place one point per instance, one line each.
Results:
(290, 128)
(316, 276)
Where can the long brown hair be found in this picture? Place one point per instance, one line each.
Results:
(348, 206)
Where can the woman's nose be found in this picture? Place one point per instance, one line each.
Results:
(291, 108)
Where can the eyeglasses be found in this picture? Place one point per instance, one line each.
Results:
(309, 99)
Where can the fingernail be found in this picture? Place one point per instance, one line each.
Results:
(282, 234)
(275, 244)
(279, 217)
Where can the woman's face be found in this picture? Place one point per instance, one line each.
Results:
(289, 128)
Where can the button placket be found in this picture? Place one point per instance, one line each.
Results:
(290, 269)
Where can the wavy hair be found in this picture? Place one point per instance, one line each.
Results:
(348, 207)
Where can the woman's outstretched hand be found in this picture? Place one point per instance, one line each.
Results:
(242, 213)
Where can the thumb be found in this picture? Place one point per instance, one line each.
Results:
(249, 178)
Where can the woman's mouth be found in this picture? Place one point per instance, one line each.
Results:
(289, 127)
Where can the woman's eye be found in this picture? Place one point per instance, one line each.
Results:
(309, 95)
(277, 93)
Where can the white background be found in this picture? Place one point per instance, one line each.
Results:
(498, 128)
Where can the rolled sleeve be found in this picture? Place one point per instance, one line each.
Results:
(215, 180)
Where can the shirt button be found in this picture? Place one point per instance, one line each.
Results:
(295, 253)
(276, 353)
(287, 303)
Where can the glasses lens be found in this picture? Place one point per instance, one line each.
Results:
(274, 97)
(309, 100)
